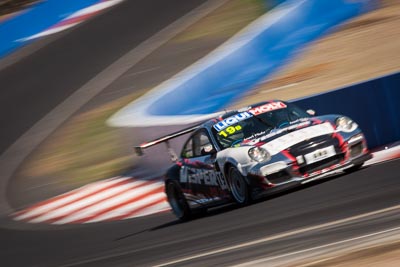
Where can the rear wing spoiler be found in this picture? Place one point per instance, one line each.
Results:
(165, 139)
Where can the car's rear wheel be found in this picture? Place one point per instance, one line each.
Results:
(239, 187)
(178, 201)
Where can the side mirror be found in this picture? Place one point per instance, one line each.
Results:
(311, 112)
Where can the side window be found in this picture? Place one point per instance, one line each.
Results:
(187, 151)
(202, 144)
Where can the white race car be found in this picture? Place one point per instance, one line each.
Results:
(248, 153)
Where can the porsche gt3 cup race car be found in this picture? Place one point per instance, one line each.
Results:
(245, 154)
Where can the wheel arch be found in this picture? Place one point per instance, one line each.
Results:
(172, 174)
(226, 169)
(234, 164)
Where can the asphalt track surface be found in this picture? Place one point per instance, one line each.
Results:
(160, 239)
(35, 85)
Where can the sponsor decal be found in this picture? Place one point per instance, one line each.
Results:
(203, 177)
(290, 139)
(229, 131)
(267, 108)
(221, 125)
(275, 132)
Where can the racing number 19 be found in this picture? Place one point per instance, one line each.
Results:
(230, 130)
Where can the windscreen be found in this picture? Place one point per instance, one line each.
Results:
(256, 122)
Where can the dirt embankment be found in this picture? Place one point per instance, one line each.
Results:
(9, 7)
(364, 48)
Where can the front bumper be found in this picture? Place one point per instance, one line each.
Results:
(294, 169)
(263, 187)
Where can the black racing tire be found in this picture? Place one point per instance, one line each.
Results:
(239, 187)
(354, 168)
(177, 201)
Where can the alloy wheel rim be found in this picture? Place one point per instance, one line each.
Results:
(238, 186)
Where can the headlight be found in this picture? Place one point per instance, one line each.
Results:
(259, 154)
(345, 124)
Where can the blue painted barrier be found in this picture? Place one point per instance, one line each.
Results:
(272, 3)
(36, 19)
(235, 67)
(249, 57)
(224, 76)
(374, 104)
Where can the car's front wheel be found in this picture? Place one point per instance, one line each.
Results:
(239, 187)
(177, 201)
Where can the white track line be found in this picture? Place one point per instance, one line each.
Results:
(75, 19)
(49, 32)
(265, 261)
(384, 155)
(94, 8)
(280, 236)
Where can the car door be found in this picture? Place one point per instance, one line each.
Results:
(198, 171)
